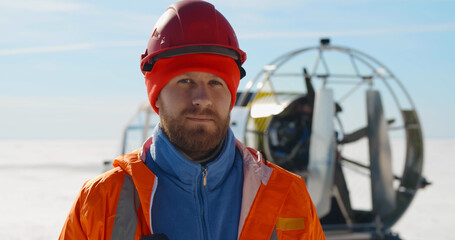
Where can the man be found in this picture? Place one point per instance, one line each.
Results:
(192, 179)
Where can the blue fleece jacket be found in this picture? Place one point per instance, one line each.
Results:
(183, 207)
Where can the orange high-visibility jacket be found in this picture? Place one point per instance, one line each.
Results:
(117, 204)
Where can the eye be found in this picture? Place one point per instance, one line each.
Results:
(185, 80)
(216, 83)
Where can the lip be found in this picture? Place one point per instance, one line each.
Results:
(200, 118)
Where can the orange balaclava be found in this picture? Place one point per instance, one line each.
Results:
(167, 68)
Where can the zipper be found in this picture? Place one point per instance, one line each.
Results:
(201, 202)
(204, 176)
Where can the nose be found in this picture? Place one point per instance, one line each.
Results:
(201, 97)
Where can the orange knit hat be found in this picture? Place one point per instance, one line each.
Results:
(167, 68)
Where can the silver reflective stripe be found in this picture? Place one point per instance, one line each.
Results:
(274, 235)
(151, 202)
(125, 222)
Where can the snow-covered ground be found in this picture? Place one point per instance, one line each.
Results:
(39, 181)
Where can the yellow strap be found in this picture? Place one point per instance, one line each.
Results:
(290, 224)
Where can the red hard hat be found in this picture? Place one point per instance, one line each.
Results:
(191, 26)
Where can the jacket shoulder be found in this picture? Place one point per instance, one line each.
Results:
(102, 190)
(106, 180)
(297, 192)
(282, 171)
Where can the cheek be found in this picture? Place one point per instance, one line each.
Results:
(173, 101)
(165, 97)
(224, 102)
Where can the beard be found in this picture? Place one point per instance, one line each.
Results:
(196, 141)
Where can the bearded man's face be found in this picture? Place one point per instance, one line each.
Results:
(194, 110)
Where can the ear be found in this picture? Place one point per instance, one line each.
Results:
(158, 102)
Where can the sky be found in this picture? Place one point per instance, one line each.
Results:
(70, 69)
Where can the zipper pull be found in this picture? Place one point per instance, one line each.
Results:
(204, 175)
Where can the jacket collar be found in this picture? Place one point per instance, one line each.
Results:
(253, 166)
(255, 173)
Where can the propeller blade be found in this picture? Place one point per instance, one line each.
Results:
(321, 165)
(383, 194)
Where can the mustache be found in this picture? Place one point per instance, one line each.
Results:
(200, 111)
